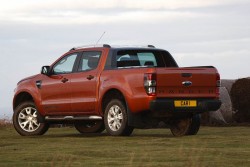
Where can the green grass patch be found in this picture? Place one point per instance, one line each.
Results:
(64, 147)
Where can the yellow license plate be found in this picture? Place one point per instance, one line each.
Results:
(185, 103)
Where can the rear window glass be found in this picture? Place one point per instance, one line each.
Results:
(144, 58)
(147, 58)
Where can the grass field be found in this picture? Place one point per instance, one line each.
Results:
(64, 147)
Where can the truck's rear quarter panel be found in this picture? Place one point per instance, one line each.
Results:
(130, 82)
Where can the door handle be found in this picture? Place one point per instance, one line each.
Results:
(64, 80)
(90, 77)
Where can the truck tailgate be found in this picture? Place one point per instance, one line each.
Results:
(188, 82)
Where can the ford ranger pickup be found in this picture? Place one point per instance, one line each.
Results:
(117, 89)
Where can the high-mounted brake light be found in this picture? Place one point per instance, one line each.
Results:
(150, 83)
(218, 84)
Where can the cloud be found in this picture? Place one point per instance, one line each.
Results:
(37, 5)
(105, 11)
(77, 17)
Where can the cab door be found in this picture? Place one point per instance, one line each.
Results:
(84, 83)
(55, 88)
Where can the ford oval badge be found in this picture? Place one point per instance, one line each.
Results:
(187, 83)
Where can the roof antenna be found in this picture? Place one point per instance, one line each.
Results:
(100, 38)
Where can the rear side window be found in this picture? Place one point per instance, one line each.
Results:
(144, 58)
(89, 60)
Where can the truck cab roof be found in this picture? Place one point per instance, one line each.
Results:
(114, 46)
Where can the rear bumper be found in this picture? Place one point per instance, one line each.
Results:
(203, 105)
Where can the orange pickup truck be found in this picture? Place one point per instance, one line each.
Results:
(117, 89)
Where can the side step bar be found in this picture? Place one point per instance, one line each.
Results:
(64, 118)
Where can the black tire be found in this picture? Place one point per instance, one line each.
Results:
(195, 125)
(26, 120)
(90, 126)
(116, 119)
(180, 127)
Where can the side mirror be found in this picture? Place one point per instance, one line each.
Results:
(45, 70)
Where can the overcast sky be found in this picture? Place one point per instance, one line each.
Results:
(34, 33)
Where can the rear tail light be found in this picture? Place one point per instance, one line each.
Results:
(218, 80)
(218, 84)
(150, 83)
